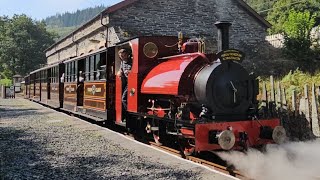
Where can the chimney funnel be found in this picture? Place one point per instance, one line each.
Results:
(223, 34)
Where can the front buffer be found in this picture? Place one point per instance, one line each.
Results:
(237, 134)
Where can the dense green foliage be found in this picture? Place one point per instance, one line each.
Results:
(6, 82)
(297, 30)
(277, 11)
(22, 45)
(261, 6)
(281, 10)
(73, 19)
(294, 19)
(63, 24)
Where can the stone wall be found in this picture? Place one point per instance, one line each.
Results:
(195, 18)
(277, 40)
(84, 40)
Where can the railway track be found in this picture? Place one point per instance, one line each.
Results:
(226, 170)
(206, 163)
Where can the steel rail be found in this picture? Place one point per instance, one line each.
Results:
(209, 164)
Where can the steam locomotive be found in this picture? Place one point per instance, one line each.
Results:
(176, 92)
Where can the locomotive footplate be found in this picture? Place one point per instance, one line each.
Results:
(229, 135)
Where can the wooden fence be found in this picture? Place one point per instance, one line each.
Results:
(301, 116)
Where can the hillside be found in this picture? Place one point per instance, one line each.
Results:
(261, 6)
(63, 24)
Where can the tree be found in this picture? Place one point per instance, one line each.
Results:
(297, 35)
(261, 6)
(22, 44)
(279, 13)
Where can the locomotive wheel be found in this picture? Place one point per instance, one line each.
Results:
(156, 134)
(186, 146)
(188, 149)
(157, 138)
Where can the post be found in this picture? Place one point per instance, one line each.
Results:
(264, 98)
(294, 103)
(3, 92)
(272, 104)
(279, 96)
(272, 98)
(284, 99)
(306, 98)
(304, 104)
(314, 113)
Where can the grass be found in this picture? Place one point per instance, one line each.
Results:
(294, 81)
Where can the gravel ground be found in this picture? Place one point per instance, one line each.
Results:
(40, 143)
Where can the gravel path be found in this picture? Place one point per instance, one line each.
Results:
(40, 143)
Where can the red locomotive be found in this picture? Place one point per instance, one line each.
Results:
(175, 91)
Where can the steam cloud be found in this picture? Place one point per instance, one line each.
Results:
(294, 161)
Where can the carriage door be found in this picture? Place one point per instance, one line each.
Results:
(80, 69)
(49, 83)
(111, 83)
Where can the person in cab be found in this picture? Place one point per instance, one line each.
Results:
(125, 68)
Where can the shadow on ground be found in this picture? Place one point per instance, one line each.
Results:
(14, 113)
(23, 156)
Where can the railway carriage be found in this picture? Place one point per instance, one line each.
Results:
(44, 85)
(70, 86)
(55, 86)
(87, 84)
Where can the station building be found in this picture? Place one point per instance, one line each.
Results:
(194, 18)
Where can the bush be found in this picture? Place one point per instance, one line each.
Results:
(6, 82)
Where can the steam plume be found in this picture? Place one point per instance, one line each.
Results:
(294, 161)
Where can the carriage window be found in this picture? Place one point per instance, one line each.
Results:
(71, 71)
(41, 76)
(97, 67)
(76, 71)
(53, 72)
(56, 75)
(37, 77)
(51, 75)
(91, 68)
(87, 69)
(101, 66)
(66, 71)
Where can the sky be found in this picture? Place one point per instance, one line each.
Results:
(40, 9)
